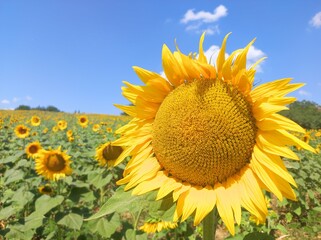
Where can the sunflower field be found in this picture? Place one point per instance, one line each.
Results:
(57, 181)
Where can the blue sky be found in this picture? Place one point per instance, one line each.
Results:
(75, 54)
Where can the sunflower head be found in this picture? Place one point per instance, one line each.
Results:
(96, 127)
(53, 164)
(69, 133)
(22, 131)
(55, 128)
(35, 121)
(83, 121)
(45, 130)
(45, 189)
(62, 124)
(33, 149)
(205, 136)
(154, 225)
(107, 154)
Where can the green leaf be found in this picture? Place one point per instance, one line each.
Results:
(104, 227)
(45, 203)
(317, 209)
(18, 232)
(72, 220)
(14, 158)
(130, 234)
(98, 180)
(121, 201)
(162, 209)
(21, 197)
(281, 228)
(33, 221)
(258, 235)
(7, 212)
(7, 195)
(23, 163)
(288, 217)
(298, 211)
(13, 175)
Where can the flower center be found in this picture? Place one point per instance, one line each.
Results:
(22, 130)
(111, 152)
(33, 149)
(204, 132)
(56, 162)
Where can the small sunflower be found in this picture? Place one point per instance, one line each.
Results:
(55, 128)
(35, 121)
(153, 226)
(22, 131)
(206, 137)
(53, 164)
(45, 189)
(107, 154)
(69, 133)
(62, 124)
(32, 149)
(83, 121)
(45, 130)
(96, 127)
(109, 129)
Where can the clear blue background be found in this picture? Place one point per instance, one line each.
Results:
(75, 54)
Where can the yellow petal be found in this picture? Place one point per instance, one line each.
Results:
(172, 67)
(151, 184)
(206, 203)
(224, 207)
(201, 56)
(221, 58)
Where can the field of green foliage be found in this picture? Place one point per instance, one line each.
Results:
(88, 204)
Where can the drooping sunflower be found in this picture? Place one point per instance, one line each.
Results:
(22, 131)
(45, 189)
(207, 137)
(53, 164)
(107, 154)
(35, 121)
(83, 121)
(157, 226)
(32, 149)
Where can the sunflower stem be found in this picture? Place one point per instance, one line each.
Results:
(210, 224)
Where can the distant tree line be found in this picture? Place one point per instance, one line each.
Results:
(306, 113)
(48, 109)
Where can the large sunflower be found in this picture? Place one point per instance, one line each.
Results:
(205, 136)
(53, 164)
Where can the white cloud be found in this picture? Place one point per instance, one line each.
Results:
(316, 20)
(211, 30)
(212, 53)
(207, 17)
(28, 98)
(5, 101)
(15, 99)
(253, 56)
(304, 93)
(200, 22)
